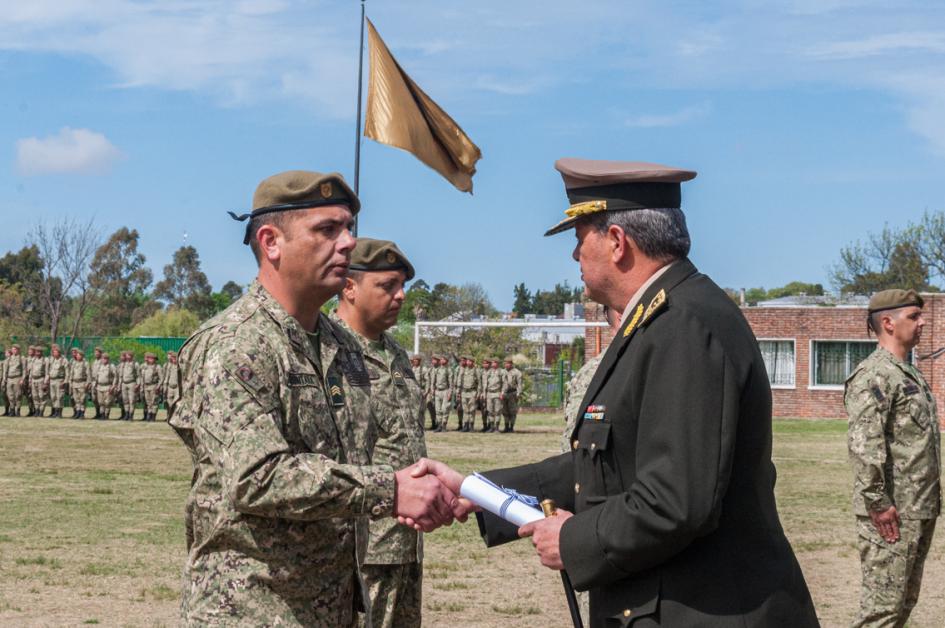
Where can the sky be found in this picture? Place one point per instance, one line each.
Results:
(811, 123)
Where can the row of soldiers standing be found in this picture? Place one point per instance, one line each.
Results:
(48, 380)
(492, 391)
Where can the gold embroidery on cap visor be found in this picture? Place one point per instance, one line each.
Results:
(587, 207)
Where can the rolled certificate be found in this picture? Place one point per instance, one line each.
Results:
(500, 501)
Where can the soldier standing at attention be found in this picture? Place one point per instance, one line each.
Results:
(416, 365)
(128, 376)
(457, 402)
(468, 390)
(93, 372)
(277, 415)
(15, 373)
(494, 380)
(426, 383)
(513, 390)
(149, 382)
(483, 408)
(39, 385)
(170, 385)
(895, 451)
(106, 385)
(28, 386)
(3, 383)
(80, 379)
(57, 380)
(442, 382)
(367, 307)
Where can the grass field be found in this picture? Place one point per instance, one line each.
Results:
(91, 527)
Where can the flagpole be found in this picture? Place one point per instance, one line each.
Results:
(357, 128)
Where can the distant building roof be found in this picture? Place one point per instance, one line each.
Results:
(827, 300)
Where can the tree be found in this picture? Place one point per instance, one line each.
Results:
(14, 318)
(889, 259)
(173, 322)
(416, 303)
(119, 281)
(464, 302)
(523, 300)
(23, 270)
(185, 285)
(232, 290)
(552, 302)
(66, 248)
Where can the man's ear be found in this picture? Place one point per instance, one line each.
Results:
(270, 239)
(619, 243)
(350, 290)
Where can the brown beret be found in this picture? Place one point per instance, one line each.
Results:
(597, 186)
(893, 299)
(376, 255)
(299, 189)
(79, 352)
(150, 355)
(99, 349)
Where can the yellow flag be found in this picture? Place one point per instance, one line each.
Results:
(400, 114)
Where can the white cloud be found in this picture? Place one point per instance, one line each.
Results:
(887, 43)
(687, 114)
(78, 151)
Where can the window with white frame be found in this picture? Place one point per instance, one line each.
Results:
(834, 360)
(779, 361)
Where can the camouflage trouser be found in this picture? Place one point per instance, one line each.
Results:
(38, 395)
(510, 409)
(892, 572)
(79, 391)
(57, 392)
(431, 409)
(151, 397)
(14, 393)
(442, 398)
(104, 395)
(494, 409)
(128, 397)
(469, 408)
(171, 395)
(395, 592)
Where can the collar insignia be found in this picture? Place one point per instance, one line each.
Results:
(633, 321)
(655, 306)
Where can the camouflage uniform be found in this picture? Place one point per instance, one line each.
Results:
(494, 382)
(170, 386)
(79, 384)
(128, 380)
(106, 384)
(424, 376)
(441, 381)
(15, 371)
(278, 424)
(468, 389)
(38, 368)
(512, 392)
(894, 447)
(149, 381)
(57, 377)
(483, 407)
(93, 373)
(457, 402)
(393, 568)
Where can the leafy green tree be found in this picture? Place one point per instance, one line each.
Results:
(888, 259)
(552, 302)
(119, 281)
(185, 285)
(172, 322)
(523, 300)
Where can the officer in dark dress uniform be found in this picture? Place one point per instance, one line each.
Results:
(670, 477)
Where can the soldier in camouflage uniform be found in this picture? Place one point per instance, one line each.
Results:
(93, 371)
(80, 382)
(419, 371)
(128, 381)
(15, 369)
(3, 383)
(493, 383)
(149, 382)
(510, 396)
(275, 411)
(441, 381)
(482, 406)
(39, 386)
(467, 388)
(106, 385)
(368, 306)
(170, 384)
(57, 380)
(895, 451)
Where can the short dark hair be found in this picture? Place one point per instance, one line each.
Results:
(279, 220)
(660, 233)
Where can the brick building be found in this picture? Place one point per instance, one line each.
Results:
(809, 349)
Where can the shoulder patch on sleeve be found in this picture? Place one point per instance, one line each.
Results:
(880, 397)
(352, 365)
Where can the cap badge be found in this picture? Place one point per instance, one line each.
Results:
(325, 189)
(391, 258)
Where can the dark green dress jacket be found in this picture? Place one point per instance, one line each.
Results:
(670, 475)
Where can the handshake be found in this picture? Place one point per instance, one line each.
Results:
(427, 496)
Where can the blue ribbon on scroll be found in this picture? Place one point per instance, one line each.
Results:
(514, 495)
